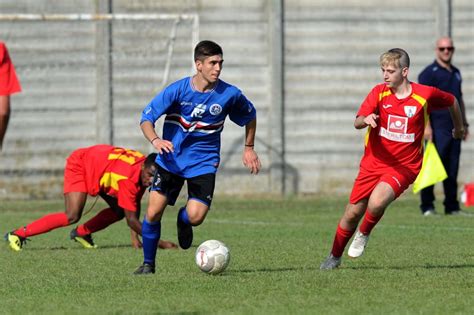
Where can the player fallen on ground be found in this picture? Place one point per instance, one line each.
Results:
(395, 113)
(120, 176)
(195, 108)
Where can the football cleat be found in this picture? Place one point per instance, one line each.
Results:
(85, 240)
(330, 263)
(145, 269)
(358, 245)
(14, 241)
(185, 234)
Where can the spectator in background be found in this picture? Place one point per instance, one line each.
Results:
(394, 113)
(9, 84)
(445, 76)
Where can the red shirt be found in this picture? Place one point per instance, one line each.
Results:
(114, 171)
(398, 138)
(8, 81)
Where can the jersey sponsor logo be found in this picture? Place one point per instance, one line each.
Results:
(215, 109)
(410, 111)
(199, 110)
(397, 129)
(386, 106)
(184, 103)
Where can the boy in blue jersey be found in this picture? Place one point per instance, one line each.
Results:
(195, 108)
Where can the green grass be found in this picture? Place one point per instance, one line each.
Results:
(413, 264)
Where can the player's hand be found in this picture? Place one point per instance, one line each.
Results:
(428, 133)
(162, 146)
(251, 160)
(167, 245)
(466, 132)
(136, 243)
(371, 120)
(458, 133)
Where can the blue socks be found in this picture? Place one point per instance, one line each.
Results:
(183, 216)
(151, 232)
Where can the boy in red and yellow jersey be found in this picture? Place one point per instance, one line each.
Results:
(395, 113)
(120, 176)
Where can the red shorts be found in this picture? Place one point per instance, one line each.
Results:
(75, 173)
(399, 179)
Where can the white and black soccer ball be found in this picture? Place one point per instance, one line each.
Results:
(212, 256)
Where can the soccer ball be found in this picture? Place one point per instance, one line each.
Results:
(212, 256)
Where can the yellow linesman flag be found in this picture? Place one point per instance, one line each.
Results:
(432, 171)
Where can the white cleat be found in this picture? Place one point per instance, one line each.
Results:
(358, 245)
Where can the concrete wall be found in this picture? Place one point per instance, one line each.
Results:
(330, 64)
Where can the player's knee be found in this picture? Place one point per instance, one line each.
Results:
(196, 218)
(73, 218)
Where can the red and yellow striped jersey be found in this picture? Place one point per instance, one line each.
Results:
(106, 169)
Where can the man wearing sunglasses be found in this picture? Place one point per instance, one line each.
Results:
(445, 76)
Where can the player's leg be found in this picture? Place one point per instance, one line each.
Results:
(450, 184)
(164, 190)
(391, 185)
(200, 192)
(106, 217)
(344, 231)
(74, 201)
(151, 231)
(380, 198)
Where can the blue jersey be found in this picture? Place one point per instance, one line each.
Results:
(445, 80)
(194, 122)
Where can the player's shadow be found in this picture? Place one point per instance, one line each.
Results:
(411, 267)
(264, 270)
(115, 246)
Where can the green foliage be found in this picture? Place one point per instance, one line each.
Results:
(413, 264)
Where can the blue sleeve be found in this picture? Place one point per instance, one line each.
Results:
(159, 105)
(242, 111)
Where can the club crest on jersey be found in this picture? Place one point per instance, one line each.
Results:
(396, 130)
(215, 109)
(199, 110)
(410, 111)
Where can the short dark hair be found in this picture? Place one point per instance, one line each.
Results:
(150, 160)
(397, 56)
(206, 48)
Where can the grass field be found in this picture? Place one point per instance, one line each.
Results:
(413, 265)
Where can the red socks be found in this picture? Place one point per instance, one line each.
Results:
(368, 223)
(45, 224)
(341, 239)
(102, 220)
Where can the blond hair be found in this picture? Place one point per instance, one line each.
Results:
(397, 57)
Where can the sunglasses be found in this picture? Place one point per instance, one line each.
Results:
(450, 48)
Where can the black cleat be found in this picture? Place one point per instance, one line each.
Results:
(185, 234)
(145, 269)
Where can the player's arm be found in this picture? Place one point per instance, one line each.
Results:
(136, 230)
(4, 116)
(250, 157)
(150, 134)
(363, 121)
(458, 121)
(464, 118)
